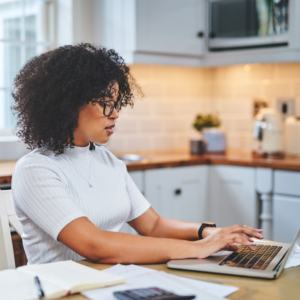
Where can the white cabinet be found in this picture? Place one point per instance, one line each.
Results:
(287, 183)
(170, 27)
(138, 178)
(232, 196)
(286, 218)
(152, 32)
(163, 32)
(178, 193)
(286, 205)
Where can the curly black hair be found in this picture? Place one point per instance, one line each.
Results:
(52, 88)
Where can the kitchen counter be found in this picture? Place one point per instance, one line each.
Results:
(176, 158)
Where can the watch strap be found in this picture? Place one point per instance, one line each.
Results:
(203, 225)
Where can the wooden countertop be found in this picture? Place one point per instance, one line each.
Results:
(284, 287)
(177, 158)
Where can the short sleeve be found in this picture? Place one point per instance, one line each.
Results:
(40, 193)
(139, 204)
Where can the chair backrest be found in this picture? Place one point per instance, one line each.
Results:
(7, 217)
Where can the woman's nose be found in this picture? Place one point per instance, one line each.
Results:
(114, 114)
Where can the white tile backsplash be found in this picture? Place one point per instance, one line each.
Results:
(174, 95)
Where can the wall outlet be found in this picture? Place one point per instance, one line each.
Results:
(258, 104)
(286, 107)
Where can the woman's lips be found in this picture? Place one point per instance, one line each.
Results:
(110, 129)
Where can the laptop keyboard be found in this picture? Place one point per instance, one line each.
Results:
(259, 259)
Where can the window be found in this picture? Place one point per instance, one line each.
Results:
(25, 31)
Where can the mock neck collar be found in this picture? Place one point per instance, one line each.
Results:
(77, 151)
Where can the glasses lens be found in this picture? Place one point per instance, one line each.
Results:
(108, 108)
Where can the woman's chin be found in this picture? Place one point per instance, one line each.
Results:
(101, 141)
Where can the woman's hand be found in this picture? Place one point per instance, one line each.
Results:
(217, 239)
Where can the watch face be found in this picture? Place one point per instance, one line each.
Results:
(209, 223)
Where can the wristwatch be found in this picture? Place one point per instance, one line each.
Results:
(203, 225)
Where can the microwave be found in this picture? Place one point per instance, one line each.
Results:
(246, 24)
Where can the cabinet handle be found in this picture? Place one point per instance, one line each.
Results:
(200, 34)
(177, 192)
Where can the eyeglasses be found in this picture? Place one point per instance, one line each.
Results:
(109, 106)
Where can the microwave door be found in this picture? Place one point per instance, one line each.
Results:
(238, 24)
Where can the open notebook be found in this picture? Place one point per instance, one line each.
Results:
(57, 279)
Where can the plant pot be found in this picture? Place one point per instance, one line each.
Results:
(215, 139)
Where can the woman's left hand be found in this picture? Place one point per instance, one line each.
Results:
(211, 230)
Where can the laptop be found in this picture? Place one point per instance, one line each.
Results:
(266, 261)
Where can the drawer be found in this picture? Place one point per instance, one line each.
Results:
(287, 183)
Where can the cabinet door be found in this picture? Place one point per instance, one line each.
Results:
(138, 178)
(170, 26)
(287, 183)
(154, 189)
(232, 196)
(286, 218)
(178, 193)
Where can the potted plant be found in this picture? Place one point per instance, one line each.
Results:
(213, 135)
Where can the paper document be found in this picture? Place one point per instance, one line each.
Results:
(213, 288)
(295, 259)
(140, 277)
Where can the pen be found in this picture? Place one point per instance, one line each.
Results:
(41, 293)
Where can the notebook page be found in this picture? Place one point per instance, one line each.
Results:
(16, 285)
(71, 276)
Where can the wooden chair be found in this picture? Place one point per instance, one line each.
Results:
(7, 217)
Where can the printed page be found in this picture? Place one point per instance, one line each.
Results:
(294, 260)
(144, 277)
(15, 285)
(128, 271)
(213, 288)
(219, 290)
(71, 276)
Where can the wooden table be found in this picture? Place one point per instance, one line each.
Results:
(287, 286)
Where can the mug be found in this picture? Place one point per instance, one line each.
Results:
(197, 147)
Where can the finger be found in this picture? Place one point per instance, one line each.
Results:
(240, 238)
(247, 230)
(231, 247)
(258, 232)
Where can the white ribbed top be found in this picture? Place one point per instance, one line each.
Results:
(51, 191)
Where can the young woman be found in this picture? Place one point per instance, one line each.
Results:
(72, 195)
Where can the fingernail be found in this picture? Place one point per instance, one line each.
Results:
(251, 240)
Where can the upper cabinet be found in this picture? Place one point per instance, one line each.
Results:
(196, 33)
(153, 32)
(172, 27)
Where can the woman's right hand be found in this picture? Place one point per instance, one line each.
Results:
(225, 239)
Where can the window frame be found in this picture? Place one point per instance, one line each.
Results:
(47, 17)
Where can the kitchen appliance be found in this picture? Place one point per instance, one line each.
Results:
(215, 139)
(292, 135)
(245, 24)
(268, 133)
